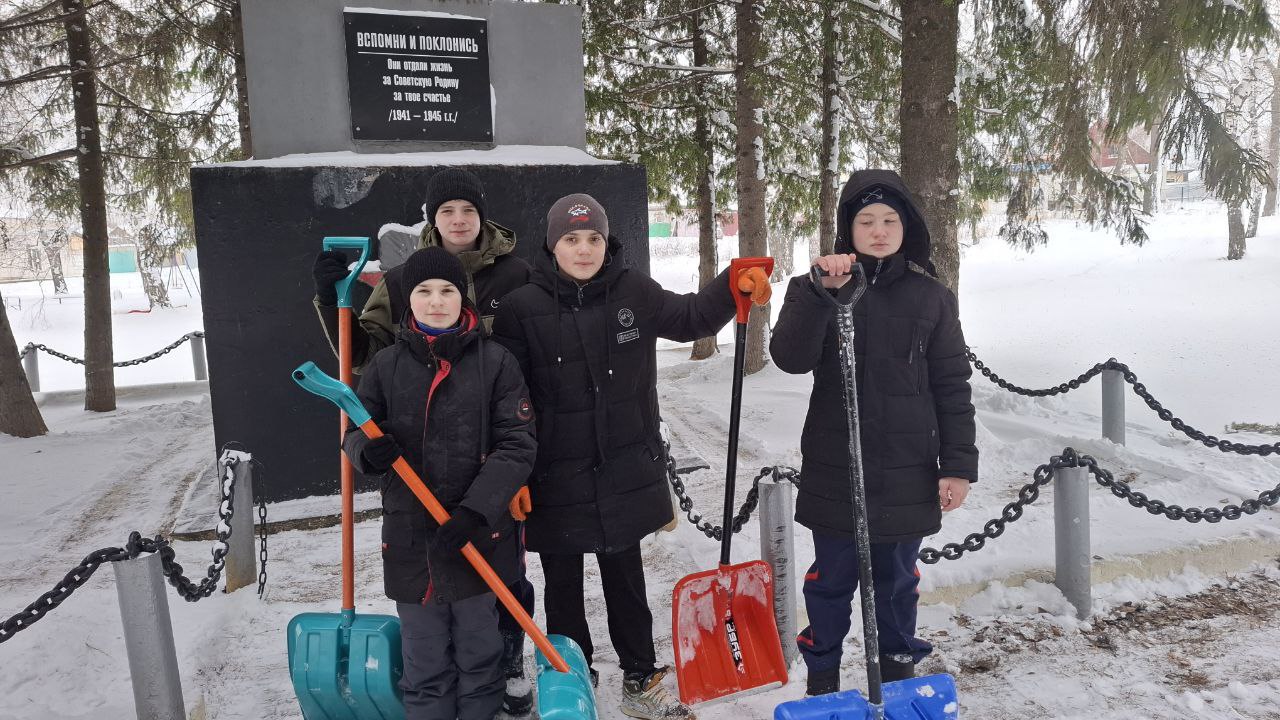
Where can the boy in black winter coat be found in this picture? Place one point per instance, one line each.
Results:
(917, 422)
(455, 405)
(584, 330)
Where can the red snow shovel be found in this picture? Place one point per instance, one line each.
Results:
(726, 636)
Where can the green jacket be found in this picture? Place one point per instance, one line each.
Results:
(492, 272)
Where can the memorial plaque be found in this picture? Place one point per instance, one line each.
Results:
(420, 76)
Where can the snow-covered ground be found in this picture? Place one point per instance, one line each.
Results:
(1173, 635)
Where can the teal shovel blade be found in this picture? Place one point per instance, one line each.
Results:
(932, 697)
(565, 696)
(346, 666)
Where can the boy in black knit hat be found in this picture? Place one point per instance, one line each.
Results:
(456, 207)
(455, 406)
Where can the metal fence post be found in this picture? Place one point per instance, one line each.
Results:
(777, 547)
(242, 561)
(31, 366)
(1071, 537)
(197, 357)
(148, 639)
(1113, 406)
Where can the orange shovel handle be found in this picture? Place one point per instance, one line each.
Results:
(473, 556)
(348, 472)
(737, 267)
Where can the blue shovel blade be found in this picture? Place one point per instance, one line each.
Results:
(932, 697)
(346, 666)
(565, 696)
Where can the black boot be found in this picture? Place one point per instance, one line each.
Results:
(896, 667)
(517, 700)
(823, 682)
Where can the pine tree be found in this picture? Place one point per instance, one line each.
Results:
(19, 414)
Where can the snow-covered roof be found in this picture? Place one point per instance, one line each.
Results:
(499, 155)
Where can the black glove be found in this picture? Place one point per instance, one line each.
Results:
(330, 267)
(459, 530)
(379, 453)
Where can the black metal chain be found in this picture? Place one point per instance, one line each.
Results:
(1167, 415)
(262, 534)
(1012, 512)
(126, 363)
(1140, 390)
(716, 532)
(136, 545)
(1138, 499)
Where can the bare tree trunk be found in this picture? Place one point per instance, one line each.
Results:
(53, 253)
(152, 253)
(99, 375)
(1153, 188)
(1255, 210)
(752, 185)
(704, 348)
(19, 414)
(1273, 142)
(1235, 233)
(242, 82)
(927, 116)
(831, 130)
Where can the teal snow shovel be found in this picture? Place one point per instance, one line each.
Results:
(566, 685)
(346, 666)
(932, 697)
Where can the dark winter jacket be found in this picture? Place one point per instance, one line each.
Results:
(588, 354)
(492, 272)
(917, 419)
(459, 409)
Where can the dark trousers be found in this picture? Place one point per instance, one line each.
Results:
(626, 605)
(828, 596)
(452, 653)
(522, 589)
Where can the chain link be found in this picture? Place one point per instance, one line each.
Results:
(716, 532)
(126, 363)
(1012, 512)
(136, 545)
(262, 535)
(1140, 390)
(1138, 499)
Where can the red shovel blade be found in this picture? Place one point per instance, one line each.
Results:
(725, 634)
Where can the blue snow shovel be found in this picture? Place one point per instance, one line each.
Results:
(346, 666)
(932, 697)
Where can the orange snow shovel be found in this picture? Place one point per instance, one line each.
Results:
(314, 380)
(726, 636)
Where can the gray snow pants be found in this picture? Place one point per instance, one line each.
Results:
(452, 659)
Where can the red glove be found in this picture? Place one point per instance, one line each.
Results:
(755, 282)
(521, 504)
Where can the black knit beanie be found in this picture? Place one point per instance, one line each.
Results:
(575, 212)
(433, 263)
(453, 184)
(878, 194)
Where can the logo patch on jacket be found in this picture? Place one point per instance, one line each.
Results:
(524, 410)
(628, 336)
(626, 317)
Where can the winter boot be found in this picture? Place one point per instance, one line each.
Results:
(897, 667)
(517, 700)
(643, 696)
(822, 682)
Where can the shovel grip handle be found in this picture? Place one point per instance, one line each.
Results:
(473, 556)
(738, 266)
(343, 286)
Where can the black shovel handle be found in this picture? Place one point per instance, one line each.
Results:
(857, 275)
